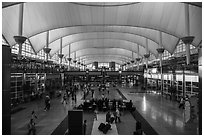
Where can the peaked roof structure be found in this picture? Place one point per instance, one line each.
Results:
(103, 31)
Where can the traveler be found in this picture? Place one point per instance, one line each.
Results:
(84, 127)
(64, 99)
(117, 116)
(31, 127)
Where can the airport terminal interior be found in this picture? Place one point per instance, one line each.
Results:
(101, 68)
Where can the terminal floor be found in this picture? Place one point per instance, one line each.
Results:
(162, 114)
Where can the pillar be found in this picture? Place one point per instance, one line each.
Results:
(200, 90)
(112, 65)
(132, 61)
(60, 53)
(69, 58)
(20, 26)
(138, 58)
(147, 53)
(20, 39)
(188, 39)
(6, 100)
(160, 51)
(95, 64)
(47, 44)
(47, 49)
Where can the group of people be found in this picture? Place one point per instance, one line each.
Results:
(113, 116)
(182, 101)
(105, 104)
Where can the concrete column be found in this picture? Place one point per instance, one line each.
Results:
(200, 90)
(132, 59)
(160, 46)
(112, 65)
(61, 50)
(20, 26)
(6, 100)
(187, 25)
(160, 51)
(95, 63)
(47, 44)
(138, 58)
(69, 56)
(147, 53)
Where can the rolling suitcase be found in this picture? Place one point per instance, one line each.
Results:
(101, 126)
(106, 128)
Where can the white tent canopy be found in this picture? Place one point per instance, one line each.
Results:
(104, 28)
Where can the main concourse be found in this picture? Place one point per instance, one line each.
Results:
(101, 68)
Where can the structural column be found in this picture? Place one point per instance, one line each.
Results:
(147, 54)
(138, 58)
(20, 39)
(200, 90)
(60, 55)
(6, 100)
(132, 61)
(160, 51)
(187, 41)
(47, 49)
(79, 64)
(69, 58)
(75, 60)
(95, 64)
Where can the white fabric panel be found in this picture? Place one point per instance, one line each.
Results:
(39, 41)
(132, 30)
(131, 40)
(97, 15)
(122, 15)
(195, 24)
(106, 43)
(10, 17)
(105, 56)
(85, 15)
(40, 17)
(105, 51)
(169, 42)
(55, 46)
(110, 15)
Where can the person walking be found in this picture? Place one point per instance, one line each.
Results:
(64, 99)
(108, 115)
(95, 114)
(31, 127)
(117, 116)
(33, 116)
(47, 103)
(84, 127)
(181, 104)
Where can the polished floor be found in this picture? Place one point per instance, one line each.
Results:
(162, 114)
